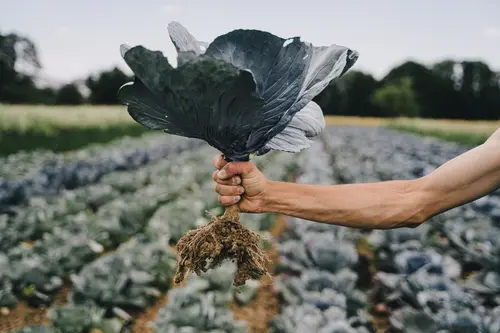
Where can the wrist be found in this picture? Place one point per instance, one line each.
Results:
(268, 202)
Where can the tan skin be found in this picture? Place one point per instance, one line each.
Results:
(379, 205)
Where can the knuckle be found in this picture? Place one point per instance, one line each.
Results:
(229, 168)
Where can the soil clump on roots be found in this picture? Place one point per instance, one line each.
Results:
(224, 237)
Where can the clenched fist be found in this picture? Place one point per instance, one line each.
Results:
(239, 183)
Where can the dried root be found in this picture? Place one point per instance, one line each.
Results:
(223, 238)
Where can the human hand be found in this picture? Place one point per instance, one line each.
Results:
(239, 183)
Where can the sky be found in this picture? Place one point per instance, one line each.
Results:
(78, 38)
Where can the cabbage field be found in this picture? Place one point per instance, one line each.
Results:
(87, 244)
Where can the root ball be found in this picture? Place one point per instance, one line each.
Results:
(223, 238)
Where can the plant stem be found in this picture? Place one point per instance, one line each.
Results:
(232, 213)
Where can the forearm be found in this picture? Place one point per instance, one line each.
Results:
(381, 205)
(464, 178)
(392, 204)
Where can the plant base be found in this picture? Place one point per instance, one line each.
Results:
(223, 238)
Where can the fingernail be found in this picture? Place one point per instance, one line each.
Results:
(241, 190)
(222, 174)
(236, 180)
(236, 198)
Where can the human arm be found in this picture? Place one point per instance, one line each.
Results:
(380, 205)
(465, 178)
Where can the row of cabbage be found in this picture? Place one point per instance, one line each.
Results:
(70, 230)
(153, 205)
(25, 164)
(365, 154)
(318, 278)
(443, 276)
(30, 174)
(173, 197)
(41, 214)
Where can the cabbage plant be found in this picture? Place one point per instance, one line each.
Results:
(239, 93)
(246, 93)
(479, 244)
(409, 320)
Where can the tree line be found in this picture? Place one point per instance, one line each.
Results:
(20, 86)
(448, 89)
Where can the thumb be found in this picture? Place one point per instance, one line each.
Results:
(235, 168)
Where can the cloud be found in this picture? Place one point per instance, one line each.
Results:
(492, 33)
(171, 9)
